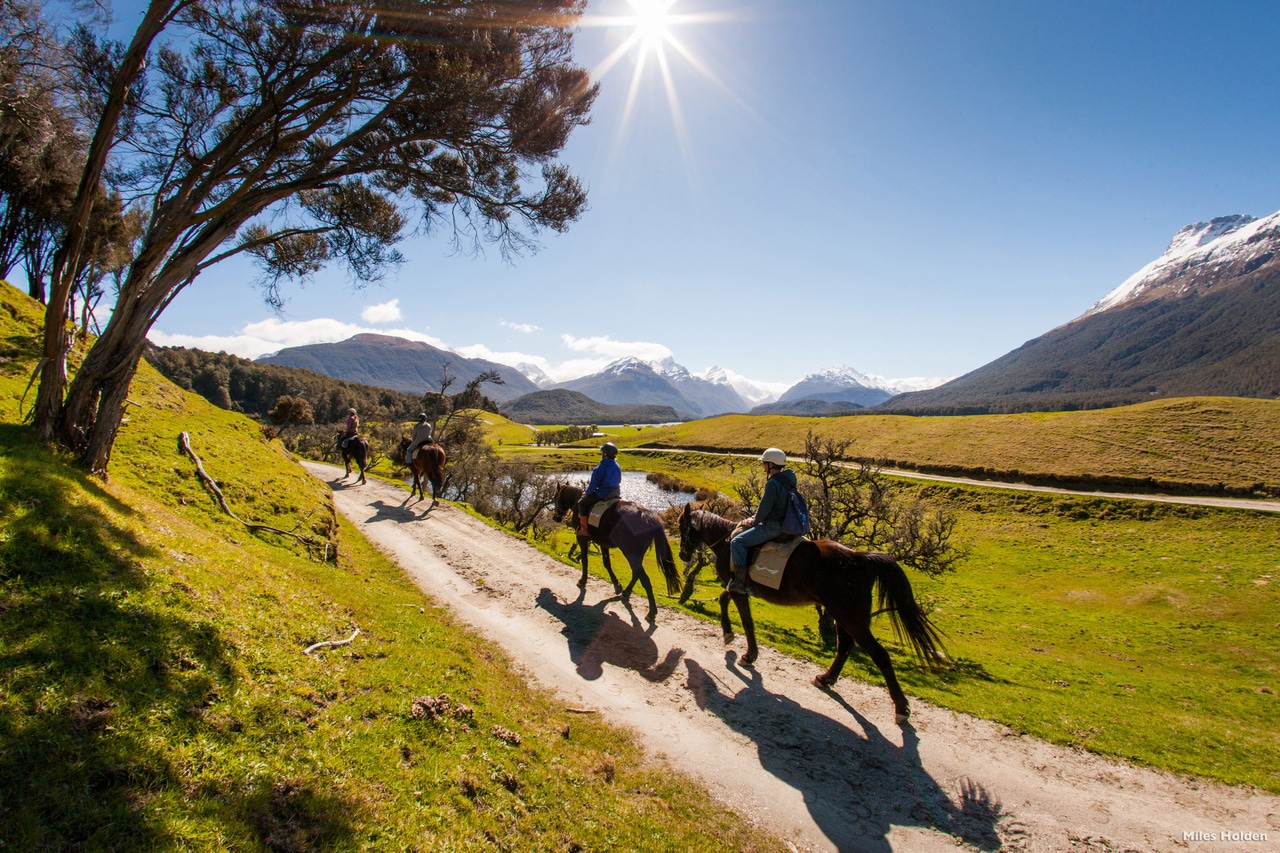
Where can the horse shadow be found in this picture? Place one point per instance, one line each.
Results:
(597, 637)
(857, 787)
(400, 514)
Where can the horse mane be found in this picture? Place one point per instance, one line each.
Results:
(708, 522)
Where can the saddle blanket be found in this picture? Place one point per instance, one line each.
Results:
(598, 511)
(767, 567)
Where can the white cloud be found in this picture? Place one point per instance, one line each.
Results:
(611, 349)
(387, 312)
(270, 335)
(525, 328)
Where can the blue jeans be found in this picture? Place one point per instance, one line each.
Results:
(751, 537)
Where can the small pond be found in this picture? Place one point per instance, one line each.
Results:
(636, 488)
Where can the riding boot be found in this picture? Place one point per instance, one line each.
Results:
(738, 583)
(582, 525)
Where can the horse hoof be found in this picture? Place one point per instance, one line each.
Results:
(821, 681)
(582, 584)
(728, 638)
(901, 718)
(652, 618)
(748, 660)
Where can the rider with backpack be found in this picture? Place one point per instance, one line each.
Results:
(768, 521)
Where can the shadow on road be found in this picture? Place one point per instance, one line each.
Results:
(597, 637)
(856, 786)
(401, 514)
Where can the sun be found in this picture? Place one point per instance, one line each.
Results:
(652, 21)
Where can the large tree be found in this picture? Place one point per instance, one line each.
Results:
(302, 132)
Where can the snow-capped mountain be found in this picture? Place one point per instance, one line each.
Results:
(1202, 248)
(631, 380)
(535, 374)
(837, 385)
(753, 392)
(1201, 319)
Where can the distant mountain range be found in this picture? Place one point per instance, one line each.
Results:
(1202, 319)
(400, 364)
(562, 406)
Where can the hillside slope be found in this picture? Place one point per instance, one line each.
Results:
(156, 695)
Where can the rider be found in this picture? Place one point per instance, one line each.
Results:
(353, 426)
(422, 434)
(605, 484)
(767, 523)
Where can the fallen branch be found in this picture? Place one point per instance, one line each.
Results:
(582, 710)
(330, 643)
(184, 443)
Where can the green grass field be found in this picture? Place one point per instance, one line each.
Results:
(1135, 629)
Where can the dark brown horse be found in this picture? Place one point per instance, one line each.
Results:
(629, 527)
(356, 450)
(838, 578)
(428, 464)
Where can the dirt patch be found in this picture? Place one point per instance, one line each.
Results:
(824, 770)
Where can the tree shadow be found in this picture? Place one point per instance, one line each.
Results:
(856, 786)
(106, 661)
(597, 637)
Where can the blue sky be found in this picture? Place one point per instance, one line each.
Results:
(908, 188)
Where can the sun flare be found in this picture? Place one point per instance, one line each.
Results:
(652, 20)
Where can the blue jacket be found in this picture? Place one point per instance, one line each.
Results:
(773, 503)
(606, 478)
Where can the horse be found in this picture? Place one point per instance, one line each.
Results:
(428, 462)
(629, 527)
(357, 450)
(838, 578)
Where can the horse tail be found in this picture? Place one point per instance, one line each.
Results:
(910, 623)
(666, 561)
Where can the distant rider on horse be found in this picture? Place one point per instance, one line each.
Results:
(422, 434)
(353, 427)
(605, 484)
(767, 523)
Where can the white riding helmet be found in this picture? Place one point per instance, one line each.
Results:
(774, 456)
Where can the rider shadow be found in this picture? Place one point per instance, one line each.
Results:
(597, 637)
(397, 513)
(856, 787)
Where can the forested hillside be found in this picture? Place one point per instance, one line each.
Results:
(240, 385)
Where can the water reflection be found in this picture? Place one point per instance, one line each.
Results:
(636, 488)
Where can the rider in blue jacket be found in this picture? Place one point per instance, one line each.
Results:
(605, 484)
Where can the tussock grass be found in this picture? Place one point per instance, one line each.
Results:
(154, 694)
(1197, 444)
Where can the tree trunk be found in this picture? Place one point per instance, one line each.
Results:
(50, 417)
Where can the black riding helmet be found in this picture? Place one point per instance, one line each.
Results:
(609, 449)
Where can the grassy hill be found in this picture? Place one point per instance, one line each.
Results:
(1198, 444)
(562, 406)
(154, 694)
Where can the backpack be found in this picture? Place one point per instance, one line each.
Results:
(796, 520)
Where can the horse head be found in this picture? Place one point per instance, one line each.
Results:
(563, 500)
(690, 540)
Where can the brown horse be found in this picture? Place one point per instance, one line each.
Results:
(356, 450)
(838, 578)
(428, 463)
(629, 527)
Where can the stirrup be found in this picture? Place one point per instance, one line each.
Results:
(736, 587)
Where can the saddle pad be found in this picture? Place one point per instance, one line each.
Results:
(598, 511)
(769, 564)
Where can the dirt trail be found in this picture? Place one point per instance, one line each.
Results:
(826, 770)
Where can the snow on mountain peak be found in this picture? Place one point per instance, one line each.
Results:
(1222, 240)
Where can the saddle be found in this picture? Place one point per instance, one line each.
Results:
(597, 512)
(766, 562)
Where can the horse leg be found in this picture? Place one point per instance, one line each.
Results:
(844, 645)
(608, 567)
(584, 548)
(744, 611)
(638, 573)
(690, 578)
(869, 644)
(437, 486)
(725, 625)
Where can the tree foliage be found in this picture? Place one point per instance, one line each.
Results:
(307, 132)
